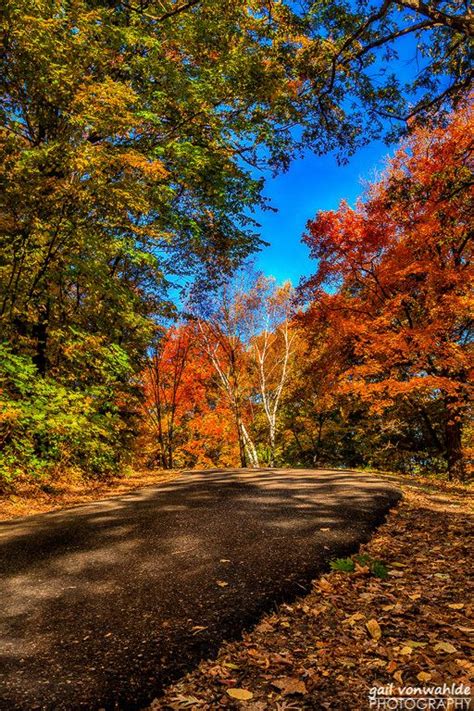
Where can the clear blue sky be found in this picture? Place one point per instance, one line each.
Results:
(313, 183)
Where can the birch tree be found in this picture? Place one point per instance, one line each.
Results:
(224, 333)
(271, 349)
(246, 333)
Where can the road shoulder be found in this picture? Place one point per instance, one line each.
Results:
(356, 631)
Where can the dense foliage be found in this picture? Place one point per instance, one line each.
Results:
(130, 134)
(374, 368)
(398, 320)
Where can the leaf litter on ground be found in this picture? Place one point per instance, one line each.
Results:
(356, 630)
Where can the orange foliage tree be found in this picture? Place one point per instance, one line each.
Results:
(392, 287)
(185, 422)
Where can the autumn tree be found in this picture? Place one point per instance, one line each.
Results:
(223, 324)
(185, 422)
(246, 331)
(165, 388)
(271, 350)
(400, 271)
(129, 138)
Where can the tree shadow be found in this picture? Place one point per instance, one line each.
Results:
(106, 603)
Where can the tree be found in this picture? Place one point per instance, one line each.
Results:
(399, 266)
(245, 330)
(185, 421)
(271, 349)
(223, 335)
(164, 388)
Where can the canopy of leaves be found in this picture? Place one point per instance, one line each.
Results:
(130, 134)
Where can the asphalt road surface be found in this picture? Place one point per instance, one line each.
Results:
(103, 604)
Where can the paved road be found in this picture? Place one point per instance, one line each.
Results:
(104, 603)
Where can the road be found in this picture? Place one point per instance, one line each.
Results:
(103, 604)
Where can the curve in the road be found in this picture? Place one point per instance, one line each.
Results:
(103, 604)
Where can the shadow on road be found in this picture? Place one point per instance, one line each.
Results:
(105, 603)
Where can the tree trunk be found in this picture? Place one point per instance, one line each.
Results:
(40, 331)
(240, 436)
(271, 462)
(454, 454)
(250, 450)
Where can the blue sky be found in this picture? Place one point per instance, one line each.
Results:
(313, 183)
(317, 183)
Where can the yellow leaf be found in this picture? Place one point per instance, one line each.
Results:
(374, 629)
(222, 583)
(465, 664)
(240, 694)
(445, 647)
(423, 676)
(352, 620)
(325, 585)
(406, 650)
(456, 605)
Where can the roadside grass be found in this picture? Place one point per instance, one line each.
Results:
(33, 498)
(357, 630)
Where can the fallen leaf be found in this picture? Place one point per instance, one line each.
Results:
(198, 628)
(423, 676)
(445, 647)
(354, 618)
(240, 694)
(406, 650)
(324, 585)
(374, 629)
(290, 685)
(456, 605)
(185, 701)
(465, 664)
(222, 583)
